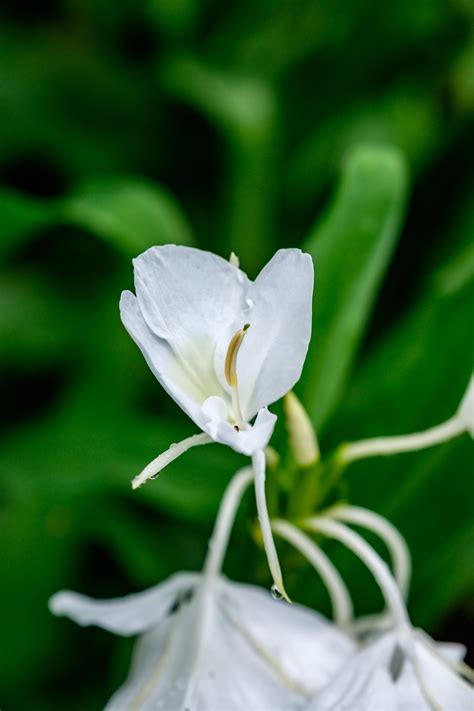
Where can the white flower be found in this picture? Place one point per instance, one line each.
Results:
(223, 347)
(194, 310)
(212, 644)
(399, 671)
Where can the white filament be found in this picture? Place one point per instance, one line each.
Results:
(225, 519)
(377, 566)
(258, 462)
(386, 446)
(337, 589)
(393, 539)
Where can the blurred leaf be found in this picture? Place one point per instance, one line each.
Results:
(404, 118)
(243, 110)
(132, 214)
(351, 248)
(33, 324)
(20, 215)
(37, 552)
(413, 379)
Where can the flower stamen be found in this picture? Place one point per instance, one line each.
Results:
(230, 371)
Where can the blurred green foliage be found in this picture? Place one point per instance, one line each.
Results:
(228, 126)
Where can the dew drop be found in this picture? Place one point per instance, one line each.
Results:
(276, 592)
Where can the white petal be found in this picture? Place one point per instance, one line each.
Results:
(347, 690)
(307, 648)
(271, 357)
(245, 441)
(446, 687)
(452, 651)
(190, 297)
(188, 663)
(127, 615)
(173, 375)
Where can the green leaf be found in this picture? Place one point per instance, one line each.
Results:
(414, 379)
(20, 215)
(131, 214)
(351, 248)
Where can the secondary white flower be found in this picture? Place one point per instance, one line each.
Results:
(399, 672)
(223, 347)
(212, 644)
(215, 645)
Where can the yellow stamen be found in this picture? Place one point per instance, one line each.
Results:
(230, 366)
(230, 370)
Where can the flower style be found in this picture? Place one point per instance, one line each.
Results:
(223, 347)
(209, 643)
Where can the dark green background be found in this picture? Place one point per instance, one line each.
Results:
(342, 127)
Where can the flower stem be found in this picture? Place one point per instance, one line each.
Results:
(225, 520)
(385, 446)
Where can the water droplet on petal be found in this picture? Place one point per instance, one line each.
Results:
(249, 302)
(276, 592)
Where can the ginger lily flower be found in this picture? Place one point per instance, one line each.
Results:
(396, 672)
(209, 643)
(401, 668)
(223, 347)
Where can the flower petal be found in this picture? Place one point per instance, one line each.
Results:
(448, 689)
(272, 355)
(303, 645)
(161, 359)
(127, 615)
(189, 297)
(199, 659)
(245, 441)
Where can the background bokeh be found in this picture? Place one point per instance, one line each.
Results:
(345, 128)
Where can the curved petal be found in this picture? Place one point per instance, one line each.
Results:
(245, 441)
(189, 297)
(199, 659)
(272, 355)
(126, 615)
(170, 372)
(449, 690)
(302, 644)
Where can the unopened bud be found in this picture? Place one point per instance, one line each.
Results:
(302, 437)
(272, 458)
(234, 260)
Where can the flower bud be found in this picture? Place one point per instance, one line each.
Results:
(302, 437)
